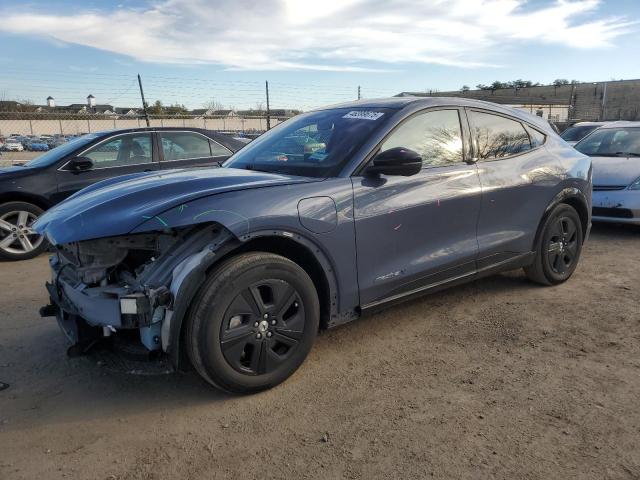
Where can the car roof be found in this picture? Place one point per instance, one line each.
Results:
(620, 124)
(425, 102)
(588, 124)
(226, 140)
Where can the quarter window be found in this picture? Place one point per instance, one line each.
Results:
(537, 138)
(498, 137)
(435, 135)
(186, 145)
(121, 151)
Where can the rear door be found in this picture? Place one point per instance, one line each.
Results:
(114, 156)
(519, 179)
(415, 232)
(183, 148)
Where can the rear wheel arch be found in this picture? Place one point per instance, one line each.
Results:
(570, 196)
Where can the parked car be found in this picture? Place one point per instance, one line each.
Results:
(615, 152)
(13, 146)
(37, 146)
(236, 268)
(28, 190)
(578, 131)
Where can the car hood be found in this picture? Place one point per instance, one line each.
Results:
(117, 206)
(615, 171)
(14, 172)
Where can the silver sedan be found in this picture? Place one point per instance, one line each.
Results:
(615, 153)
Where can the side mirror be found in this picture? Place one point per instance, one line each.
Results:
(80, 164)
(396, 161)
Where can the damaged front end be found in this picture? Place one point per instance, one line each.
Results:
(128, 285)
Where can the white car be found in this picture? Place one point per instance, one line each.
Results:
(13, 146)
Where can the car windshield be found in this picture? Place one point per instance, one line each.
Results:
(315, 144)
(575, 133)
(63, 150)
(611, 142)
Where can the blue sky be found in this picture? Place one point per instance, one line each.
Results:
(312, 52)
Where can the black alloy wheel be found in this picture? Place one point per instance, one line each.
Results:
(262, 327)
(558, 248)
(253, 322)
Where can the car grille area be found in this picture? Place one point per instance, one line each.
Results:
(612, 212)
(608, 188)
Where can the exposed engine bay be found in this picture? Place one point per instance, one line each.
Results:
(118, 285)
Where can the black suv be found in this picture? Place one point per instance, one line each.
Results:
(28, 190)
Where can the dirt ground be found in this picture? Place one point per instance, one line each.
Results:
(496, 379)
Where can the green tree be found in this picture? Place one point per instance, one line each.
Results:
(176, 109)
(156, 108)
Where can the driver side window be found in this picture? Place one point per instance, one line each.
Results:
(121, 151)
(435, 135)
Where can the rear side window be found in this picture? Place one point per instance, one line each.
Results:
(186, 145)
(435, 135)
(498, 137)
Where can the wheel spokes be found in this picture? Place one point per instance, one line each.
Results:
(262, 326)
(7, 241)
(23, 219)
(6, 226)
(555, 247)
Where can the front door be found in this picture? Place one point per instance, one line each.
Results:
(118, 155)
(412, 232)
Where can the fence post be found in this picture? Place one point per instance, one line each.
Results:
(30, 126)
(144, 102)
(266, 83)
(88, 126)
(60, 123)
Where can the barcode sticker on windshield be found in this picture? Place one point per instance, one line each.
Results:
(363, 115)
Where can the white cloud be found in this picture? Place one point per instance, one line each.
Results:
(339, 35)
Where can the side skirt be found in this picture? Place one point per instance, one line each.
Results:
(512, 263)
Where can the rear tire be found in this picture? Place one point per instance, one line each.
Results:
(559, 247)
(253, 323)
(17, 240)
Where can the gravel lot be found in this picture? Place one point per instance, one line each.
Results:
(496, 379)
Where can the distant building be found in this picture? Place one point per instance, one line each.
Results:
(613, 100)
(51, 102)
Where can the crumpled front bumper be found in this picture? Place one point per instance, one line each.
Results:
(104, 309)
(617, 206)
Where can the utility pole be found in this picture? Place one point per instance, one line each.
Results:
(144, 102)
(604, 102)
(358, 92)
(266, 83)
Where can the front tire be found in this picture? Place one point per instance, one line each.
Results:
(18, 241)
(253, 323)
(559, 247)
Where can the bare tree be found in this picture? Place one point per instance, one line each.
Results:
(213, 104)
